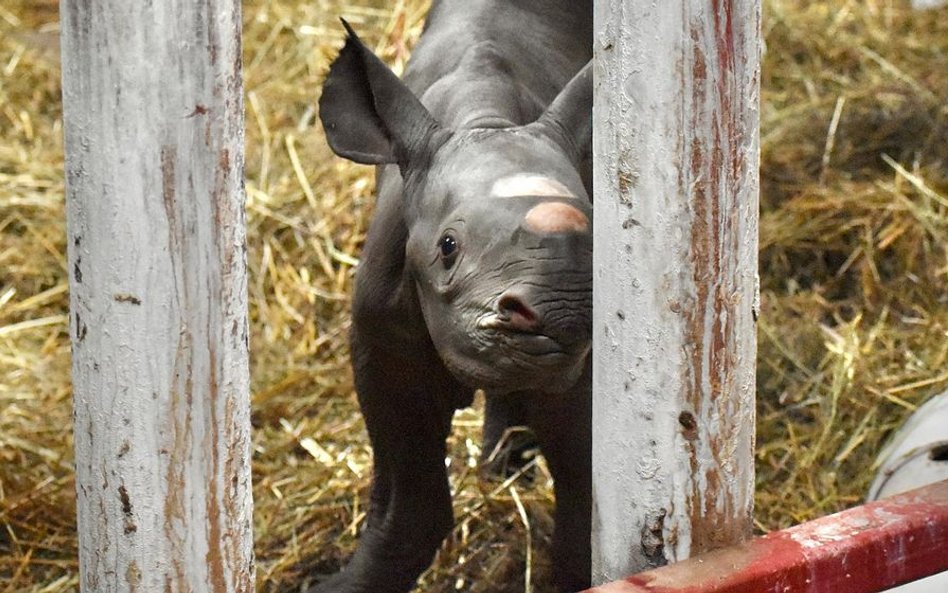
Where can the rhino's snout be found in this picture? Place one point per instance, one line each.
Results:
(565, 322)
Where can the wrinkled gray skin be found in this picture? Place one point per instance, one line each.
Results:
(457, 289)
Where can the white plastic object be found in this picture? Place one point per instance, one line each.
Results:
(917, 455)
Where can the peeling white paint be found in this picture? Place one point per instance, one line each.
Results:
(829, 533)
(675, 287)
(153, 119)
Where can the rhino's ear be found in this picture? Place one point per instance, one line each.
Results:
(568, 119)
(368, 114)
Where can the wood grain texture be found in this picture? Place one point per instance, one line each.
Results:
(153, 118)
(676, 146)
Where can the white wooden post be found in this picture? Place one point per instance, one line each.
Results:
(152, 101)
(928, 4)
(675, 290)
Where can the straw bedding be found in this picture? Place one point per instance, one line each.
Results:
(854, 267)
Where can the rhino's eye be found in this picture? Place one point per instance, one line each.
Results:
(449, 249)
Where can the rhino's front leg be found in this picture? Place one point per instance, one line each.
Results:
(563, 423)
(406, 400)
(507, 440)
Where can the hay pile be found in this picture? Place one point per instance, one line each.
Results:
(854, 266)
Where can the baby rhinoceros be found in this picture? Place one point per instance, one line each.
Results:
(476, 271)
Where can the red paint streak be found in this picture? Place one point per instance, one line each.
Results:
(869, 548)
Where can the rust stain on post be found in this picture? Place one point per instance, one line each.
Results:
(215, 540)
(676, 92)
(199, 109)
(133, 576)
(155, 224)
(182, 441)
(129, 523)
(653, 538)
(181, 397)
(168, 155)
(712, 178)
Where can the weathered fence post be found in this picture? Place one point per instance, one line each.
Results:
(152, 101)
(675, 260)
(927, 4)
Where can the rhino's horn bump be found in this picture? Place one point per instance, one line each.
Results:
(555, 217)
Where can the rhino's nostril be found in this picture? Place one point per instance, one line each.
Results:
(517, 313)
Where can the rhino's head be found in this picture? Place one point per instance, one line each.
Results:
(499, 223)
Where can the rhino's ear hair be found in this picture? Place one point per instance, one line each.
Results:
(368, 114)
(568, 119)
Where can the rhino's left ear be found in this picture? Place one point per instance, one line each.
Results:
(369, 115)
(568, 119)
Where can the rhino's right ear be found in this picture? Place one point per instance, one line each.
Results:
(368, 114)
(568, 119)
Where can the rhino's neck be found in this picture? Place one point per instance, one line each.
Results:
(481, 92)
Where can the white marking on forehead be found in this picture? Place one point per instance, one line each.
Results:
(525, 184)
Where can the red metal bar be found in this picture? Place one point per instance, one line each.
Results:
(865, 549)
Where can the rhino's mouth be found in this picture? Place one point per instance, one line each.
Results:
(523, 323)
(510, 360)
(511, 315)
(514, 344)
(522, 333)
